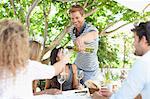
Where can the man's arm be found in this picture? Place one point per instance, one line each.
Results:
(131, 87)
(134, 83)
(96, 95)
(88, 37)
(49, 91)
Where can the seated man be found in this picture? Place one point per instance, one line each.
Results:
(138, 81)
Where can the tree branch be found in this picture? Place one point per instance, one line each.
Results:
(13, 5)
(109, 25)
(29, 12)
(66, 30)
(66, 43)
(94, 1)
(49, 10)
(57, 39)
(145, 7)
(46, 26)
(85, 4)
(45, 30)
(22, 10)
(46, 23)
(135, 20)
(91, 12)
(118, 28)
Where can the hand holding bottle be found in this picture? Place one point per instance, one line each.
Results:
(87, 49)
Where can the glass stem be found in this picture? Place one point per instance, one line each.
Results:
(79, 82)
(61, 87)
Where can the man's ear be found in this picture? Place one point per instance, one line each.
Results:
(57, 58)
(83, 15)
(144, 40)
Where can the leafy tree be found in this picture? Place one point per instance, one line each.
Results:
(38, 17)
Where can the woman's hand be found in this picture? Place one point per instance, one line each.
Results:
(105, 92)
(80, 87)
(97, 95)
(53, 91)
(49, 91)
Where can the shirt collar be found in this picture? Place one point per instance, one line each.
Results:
(81, 30)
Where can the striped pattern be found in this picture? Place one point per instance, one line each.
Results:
(87, 61)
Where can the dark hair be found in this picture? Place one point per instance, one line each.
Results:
(76, 8)
(53, 55)
(143, 29)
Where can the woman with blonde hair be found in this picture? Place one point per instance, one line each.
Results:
(16, 70)
(35, 50)
(35, 53)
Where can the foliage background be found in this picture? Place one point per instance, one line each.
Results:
(49, 19)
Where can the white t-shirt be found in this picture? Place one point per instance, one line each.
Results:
(138, 80)
(20, 87)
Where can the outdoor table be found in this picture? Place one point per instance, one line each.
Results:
(71, 94)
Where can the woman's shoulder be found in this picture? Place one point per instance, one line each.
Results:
(35, 63)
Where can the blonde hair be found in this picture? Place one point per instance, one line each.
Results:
(35, 53)
(14, 46)
(35, 50)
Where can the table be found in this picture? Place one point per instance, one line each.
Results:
(71, 94)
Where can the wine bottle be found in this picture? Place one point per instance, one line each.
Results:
(75, 48)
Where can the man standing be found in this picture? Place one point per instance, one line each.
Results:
(138, 81)
(84, 35)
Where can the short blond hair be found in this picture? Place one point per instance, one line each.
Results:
(76, 8)
(14, 46)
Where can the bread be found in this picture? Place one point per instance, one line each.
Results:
(92, 84)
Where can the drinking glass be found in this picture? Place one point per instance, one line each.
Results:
(80, 75)
(61, 79)
(66, 51)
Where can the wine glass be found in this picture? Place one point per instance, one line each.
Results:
(66, 51)
(61, 79)
(80, 75)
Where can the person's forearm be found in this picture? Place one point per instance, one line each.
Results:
(81, 40)
(89, 36)
(75, 81)
(39, 93)
(47, 84)
(59, 66)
